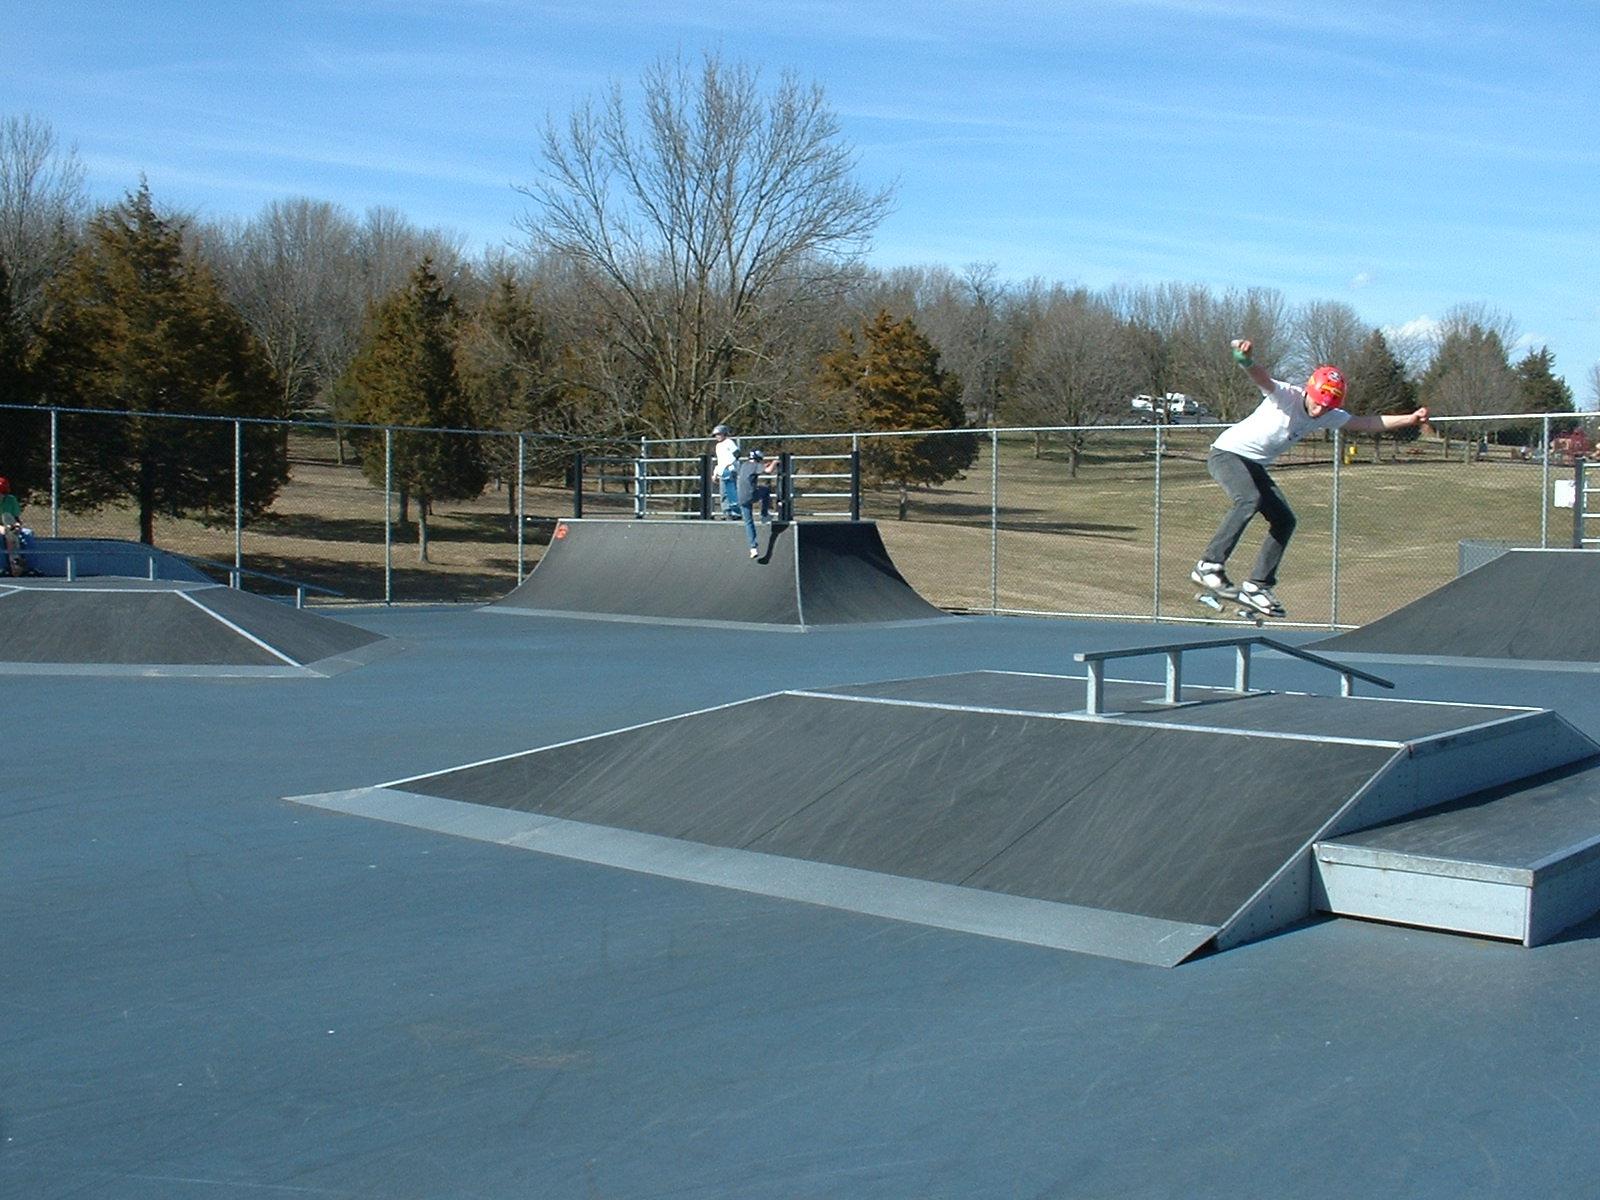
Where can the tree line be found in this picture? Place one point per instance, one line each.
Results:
(691, 255)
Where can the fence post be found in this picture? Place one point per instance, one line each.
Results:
(55, 473)
(1544, 483)
(855, 485)
(705, 487)
(785, 486)
(577, 485)
(522, 507)
(994, 521)
(1578, 472)
(238, 495)
(1155, 585)
(1333, 598)
(388, 515)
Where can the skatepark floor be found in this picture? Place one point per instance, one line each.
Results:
(211, 991)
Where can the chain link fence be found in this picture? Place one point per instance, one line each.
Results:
(1098, 521)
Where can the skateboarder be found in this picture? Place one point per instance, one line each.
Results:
(1242, 453)
(749, 490)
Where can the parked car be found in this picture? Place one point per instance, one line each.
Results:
(1172, 407)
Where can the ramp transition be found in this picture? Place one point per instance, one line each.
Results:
(165, 627)
(1525, 607)
(990, 802)
(700, 572)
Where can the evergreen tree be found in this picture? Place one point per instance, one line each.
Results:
(890, 379)
(24, 436)
(504, 370)
(135, 323)
(1378, 384)
(405, 375)
(1540, 390)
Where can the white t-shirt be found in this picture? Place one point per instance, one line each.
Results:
(1279, 421)
(727, 451)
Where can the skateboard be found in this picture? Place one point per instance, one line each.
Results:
(1218, 599)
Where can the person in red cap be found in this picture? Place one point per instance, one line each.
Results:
(11, 526)
(1241, 455)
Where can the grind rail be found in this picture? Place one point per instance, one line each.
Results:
(1095, 661)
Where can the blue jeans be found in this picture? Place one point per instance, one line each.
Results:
(749, 511)
(730, 500)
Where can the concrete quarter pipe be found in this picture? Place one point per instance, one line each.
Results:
(701, 572)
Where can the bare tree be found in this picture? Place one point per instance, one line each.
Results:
(700, 229)
(1594, 386)
(42, 208)
(1195, 327)
(1074, 362)
(1325, 331)
(292, 273)
(964, 315)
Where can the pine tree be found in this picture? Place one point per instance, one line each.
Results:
(136, 323)
(24, 435)
(405, 375)
(891, 379)
(1378, 384)
(1539, 390)
(506, 377)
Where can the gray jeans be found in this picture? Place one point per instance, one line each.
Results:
(1252, 491)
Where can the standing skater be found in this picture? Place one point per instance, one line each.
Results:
(1242, 453)
(726, 454)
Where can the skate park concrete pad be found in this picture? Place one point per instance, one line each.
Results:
(809, 573)
(212, 992)
(988, 802)
(1524, 608)
(116, 626)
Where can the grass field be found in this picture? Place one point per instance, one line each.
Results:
(1058, 542)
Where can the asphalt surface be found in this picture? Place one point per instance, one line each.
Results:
(211, 991)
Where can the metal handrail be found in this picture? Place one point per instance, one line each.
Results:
(1095, 660)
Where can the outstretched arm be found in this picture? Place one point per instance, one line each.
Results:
(1260, 376)
(1384, 422)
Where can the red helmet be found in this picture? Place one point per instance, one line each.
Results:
(1326, 387)
(5, 485)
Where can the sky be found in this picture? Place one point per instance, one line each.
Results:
(1404, 158)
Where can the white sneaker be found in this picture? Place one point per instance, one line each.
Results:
(1260, 598)
(754, 553)
(1210, 575)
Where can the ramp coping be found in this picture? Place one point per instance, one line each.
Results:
(1095, 660)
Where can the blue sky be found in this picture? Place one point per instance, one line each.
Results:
(1403, 157)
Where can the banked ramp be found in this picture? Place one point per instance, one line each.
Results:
(809, 573)
(1525, 607)
(993, 803)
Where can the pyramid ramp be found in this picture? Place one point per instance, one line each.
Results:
(112, 626)
(992, 803)
(809, 573)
